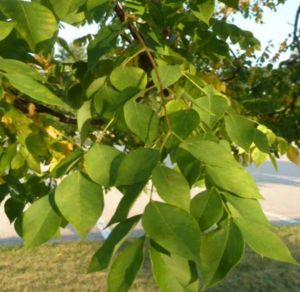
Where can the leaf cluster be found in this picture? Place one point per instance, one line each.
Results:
(137, 109)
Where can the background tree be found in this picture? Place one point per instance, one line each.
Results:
(112, 111)
(269, 91)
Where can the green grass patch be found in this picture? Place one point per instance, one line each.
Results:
(62, 267)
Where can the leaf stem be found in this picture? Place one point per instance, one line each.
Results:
(105, 129)
(133, 56)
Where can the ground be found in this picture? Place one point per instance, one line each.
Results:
(62, 267)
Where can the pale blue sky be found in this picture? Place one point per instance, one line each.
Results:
(277, 25)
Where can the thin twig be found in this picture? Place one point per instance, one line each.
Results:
(22, 105)
(160, 84)
(137, 35)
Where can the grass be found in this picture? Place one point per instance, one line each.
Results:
(62, 267)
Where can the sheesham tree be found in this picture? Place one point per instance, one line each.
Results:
(129, 107)
(268, 89)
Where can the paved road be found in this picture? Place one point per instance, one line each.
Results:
(281, 191)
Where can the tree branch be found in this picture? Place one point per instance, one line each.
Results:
(296, 40)
(23, 106)
(137, 36)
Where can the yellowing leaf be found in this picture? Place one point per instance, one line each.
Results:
(293, 154)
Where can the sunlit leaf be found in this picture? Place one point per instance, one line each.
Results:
(221, 250)
(123, 77)
(80, 201)
(264, 241)
(141, 120)
(5, 29)
(40, 222)
(172, 273)
(173, 228)
(102, 163)
(136, 166)
(34, 89)
(240, 130)
(171, 186)
(207, 208)
(126, 266)
(34, 22)
(168, 75)
(102, 257)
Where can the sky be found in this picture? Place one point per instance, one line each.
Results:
(277, 25)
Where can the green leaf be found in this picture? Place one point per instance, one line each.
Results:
(263, 241)
(210, 108)
(37, 146)
(105, 94)
(123, 77)
(66, 164)
(34, 89)
(175, 105)
(40, 222)
(259, 157)
(107, 100)
(1, 92)
(182, 123)
(221, 168)
(13, 208)
(80, 201)
(84, 114)
(102, 163)
(205, 10)
(14, 66)
(92, 4)
(4, 191)
(94, 86)
(172, 273)
(136, 166)
(169, 74)
(103, 43)
(141, 120)
(190, 167)
(261, 141)
(240, 130)
(99, 9)
(207, 208)
(32, 163)
(5, 29)
(103, 256)
(17, 162)
(67, 10)
(171, 186)
(233, 179)
(172, 228)
(221, 250)
(247, 209)
(7, 157)
(34, 22)
(208, 152)
(131, 193)
(126, 267)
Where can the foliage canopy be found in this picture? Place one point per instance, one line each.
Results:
(141, 102)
